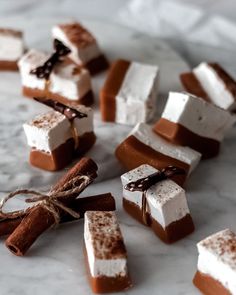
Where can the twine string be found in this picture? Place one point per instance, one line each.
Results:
(51, 201)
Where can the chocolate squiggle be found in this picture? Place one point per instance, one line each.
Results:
(145, 183)
(67, 111)
(44, 71)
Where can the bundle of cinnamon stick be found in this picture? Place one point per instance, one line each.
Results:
(24, 230)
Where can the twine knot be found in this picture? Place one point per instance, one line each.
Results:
(52, 201)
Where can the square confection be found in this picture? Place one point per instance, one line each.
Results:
(216, 270)
(105, 251)
(67, 82)
(54, 140)
(162, 205)
(191, 121)
(129, 95)
(211, 82)
(11, 48)
(83, 45)
(143, 146)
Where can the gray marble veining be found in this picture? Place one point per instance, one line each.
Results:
(54, 265)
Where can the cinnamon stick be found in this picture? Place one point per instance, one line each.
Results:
(40, 218)
(102, 202)
(8, 226)
(85, 166)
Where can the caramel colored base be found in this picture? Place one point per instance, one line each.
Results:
(175, 231)
(86, 141)
(111, 88)
(8, 65)
(133, 153)
(180, 135)
(193, 86)
(209, 286)
(107, 107)
(63, 155)
(172, 233)
(103, 284)
(97, 65)
(86, 100)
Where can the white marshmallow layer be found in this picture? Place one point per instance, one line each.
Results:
(63, 80)
(80, 56)
(83, 125)
(29, 61)
(197, 115)
(11, 47)
(53, 130)
(99, 264)
(48, 131)
(214, 86)
(166, 200)
(137, 97)
(143, 132)
(69, 85)
(218, 260)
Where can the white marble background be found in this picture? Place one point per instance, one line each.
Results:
(55, 264)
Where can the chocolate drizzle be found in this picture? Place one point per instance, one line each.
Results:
(67, 111)
(143, 184)
(44, 71)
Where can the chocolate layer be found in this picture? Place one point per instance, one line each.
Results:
(174, 231)
(110, 89)
(135, 211)
(193, 86)
(86, 141)
(170, 234)
(104, 284)
(58, 159)
(62, 155)
(133, 153)
(8, 65)
(97, 65)
(208, 285)
(180, 135)
(86, 100)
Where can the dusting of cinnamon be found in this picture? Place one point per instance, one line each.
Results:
(11, 32)
(107, 238)
(77, 34)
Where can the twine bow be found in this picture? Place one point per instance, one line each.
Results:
(51, 201)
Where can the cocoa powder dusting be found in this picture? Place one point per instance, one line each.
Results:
(11, 32)
(107, 239)
(223, 244)
(77, 34)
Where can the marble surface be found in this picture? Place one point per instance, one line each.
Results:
(54, 265)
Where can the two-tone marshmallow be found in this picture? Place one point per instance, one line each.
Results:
(219, 86)
(48, 131)
(104, 245)
(143, 132)
(81, 42)
(197, 115)
(66, 79)
(166, 201)
(191, 121)
(217, 259)
(133, 87)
